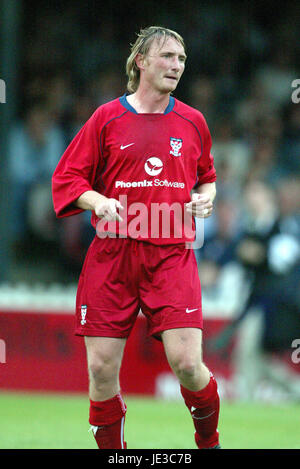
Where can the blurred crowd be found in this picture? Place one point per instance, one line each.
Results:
(239, 74)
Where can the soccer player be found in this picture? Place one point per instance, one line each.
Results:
(142, 165)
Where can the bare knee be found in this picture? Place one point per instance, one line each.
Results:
(102, 369)
(104, 357)
(185, 366)
(183, 348)
(190, 371)
(103, 377)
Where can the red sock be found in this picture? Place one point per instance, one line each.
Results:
(204, 406)
(107, 419)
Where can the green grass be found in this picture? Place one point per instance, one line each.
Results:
(51, 421)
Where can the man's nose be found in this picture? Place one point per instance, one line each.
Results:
(176, 64)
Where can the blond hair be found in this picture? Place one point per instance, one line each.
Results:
(141, 46)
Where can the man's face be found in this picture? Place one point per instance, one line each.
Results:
(163, 66)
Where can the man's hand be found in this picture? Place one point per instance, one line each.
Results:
(108, 209)
(105, 208)
(200, 206)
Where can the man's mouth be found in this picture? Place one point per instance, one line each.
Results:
(171, 77)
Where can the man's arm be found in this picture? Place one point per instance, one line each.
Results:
(203, 197)
(102, 206)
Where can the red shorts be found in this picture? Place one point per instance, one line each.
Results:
(122, 276)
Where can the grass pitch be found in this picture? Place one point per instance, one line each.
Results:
(51, 421)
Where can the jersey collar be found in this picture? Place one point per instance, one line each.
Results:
(125, 103)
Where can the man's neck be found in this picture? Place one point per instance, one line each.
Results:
(149, 102)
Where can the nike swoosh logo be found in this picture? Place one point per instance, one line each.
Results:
(122, 147)
(205, 416)
(190, 310)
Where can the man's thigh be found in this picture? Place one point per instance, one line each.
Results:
(107, 297)
(104, 356)
(170, 291)
(104, 352)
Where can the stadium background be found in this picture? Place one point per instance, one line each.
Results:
(61, 60)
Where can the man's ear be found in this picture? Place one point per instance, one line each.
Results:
(139, 61)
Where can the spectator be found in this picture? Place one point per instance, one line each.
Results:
(265, 164)
(251, 107)
(231, 154)
(222, 279)
(271, 314)
(276, 76)
(35, 146)
(289, 205)
(203, 96)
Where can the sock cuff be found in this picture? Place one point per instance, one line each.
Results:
(203, 397)
(107, 412)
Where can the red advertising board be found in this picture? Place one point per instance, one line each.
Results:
(42, 353)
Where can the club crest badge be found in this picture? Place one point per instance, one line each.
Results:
(83, 314)
(176, 144)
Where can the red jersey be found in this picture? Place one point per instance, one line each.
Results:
(149, 162)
